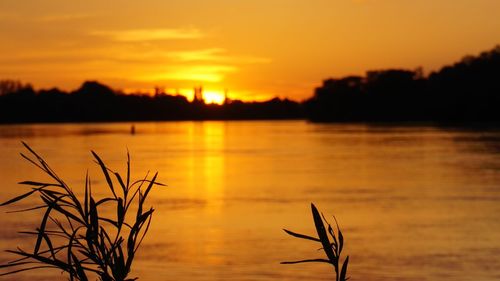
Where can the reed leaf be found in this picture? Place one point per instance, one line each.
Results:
(298, 235)
(320, 229)
(310, 260)
(105, 173)
(343, 272)
(73, 233)
(332, 249)
(20, 197)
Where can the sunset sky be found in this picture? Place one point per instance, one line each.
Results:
(255, 48)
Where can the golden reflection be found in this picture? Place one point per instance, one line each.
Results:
(207, 162)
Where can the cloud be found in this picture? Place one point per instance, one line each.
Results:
(213, 55)
(54, 18)
(63, 18)
(197, 73)
(361, 2)
(137, 35)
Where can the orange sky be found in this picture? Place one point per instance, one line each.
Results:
(254, 48)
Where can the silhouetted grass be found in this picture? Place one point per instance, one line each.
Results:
(74, 235)
(332, 249)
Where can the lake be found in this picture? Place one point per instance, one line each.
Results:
(414, 203)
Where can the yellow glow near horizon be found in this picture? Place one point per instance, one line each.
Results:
(209, 95)
(213, 97)
(198, 73)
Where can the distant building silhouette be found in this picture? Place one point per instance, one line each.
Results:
(159, 91)
(227, 100)
(198, 95)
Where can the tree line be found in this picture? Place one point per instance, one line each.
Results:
(465, 92)
(95, 102)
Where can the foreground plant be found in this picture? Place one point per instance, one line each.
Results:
(74, 235)
(332, 249)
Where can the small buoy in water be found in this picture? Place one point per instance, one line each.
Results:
(132, 130)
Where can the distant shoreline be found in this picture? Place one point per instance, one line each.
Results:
(403, 124)
(466, 94)
(148, 121)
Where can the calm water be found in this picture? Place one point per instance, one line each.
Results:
(415, 203)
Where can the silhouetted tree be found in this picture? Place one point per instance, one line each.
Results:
(97, 102)
(466, 92)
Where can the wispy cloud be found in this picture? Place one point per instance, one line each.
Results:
(63, 18)
(134, 35)
(57, 18)
(196, 73)
(211, 54)
(364, 1)
(214, 55)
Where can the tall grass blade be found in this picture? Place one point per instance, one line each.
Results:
(301, 236)
(332, 250)
(74, 234)
(304, 261)
(105, 172)
(343, 272)
(20, 197)
(320, 228)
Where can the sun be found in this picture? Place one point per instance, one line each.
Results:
(213, 97)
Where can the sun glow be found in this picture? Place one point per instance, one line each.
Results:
(213, 97)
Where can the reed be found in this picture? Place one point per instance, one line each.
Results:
(74, 235)
(333, 249)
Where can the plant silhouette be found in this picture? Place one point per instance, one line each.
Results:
(75, 235)
(333, 249)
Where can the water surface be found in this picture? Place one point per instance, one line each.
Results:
(415, 203)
